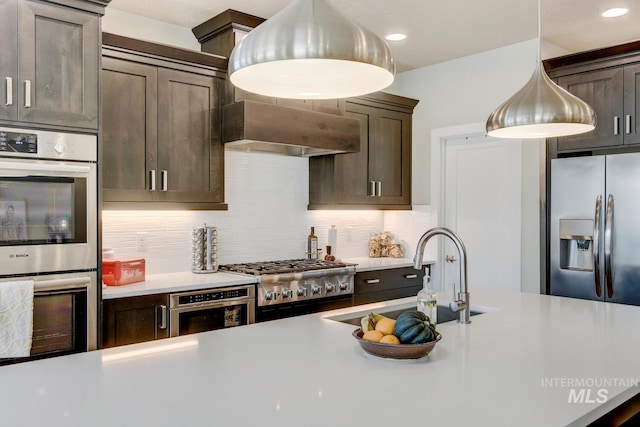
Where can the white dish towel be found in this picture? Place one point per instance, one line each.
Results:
(16, 318)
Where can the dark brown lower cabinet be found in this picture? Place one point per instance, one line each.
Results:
(134, 319)
(382, 285)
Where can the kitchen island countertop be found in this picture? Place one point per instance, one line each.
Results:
(519, 363)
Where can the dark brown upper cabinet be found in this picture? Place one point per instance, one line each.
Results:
(377, 177)
(50, 63)
(160, 127)
(611, 85)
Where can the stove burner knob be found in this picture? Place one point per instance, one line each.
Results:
(315, 289)
(344, 286)
(287, 293)
(302, 292)
(329, 287)
(270, 296)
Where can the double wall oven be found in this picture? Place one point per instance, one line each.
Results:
(49, 233)
(299, 286)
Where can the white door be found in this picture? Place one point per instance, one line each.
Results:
(481, 202)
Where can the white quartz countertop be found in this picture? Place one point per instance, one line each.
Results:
(513, 366)
(176, 282)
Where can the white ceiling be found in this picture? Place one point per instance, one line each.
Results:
(438, 30)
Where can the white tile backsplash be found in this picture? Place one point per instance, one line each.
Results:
(267, 220)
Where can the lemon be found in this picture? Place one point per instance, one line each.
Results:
(385, 325)
(374, 336)
(390, 339)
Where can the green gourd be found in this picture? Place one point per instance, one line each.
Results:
(414, 327)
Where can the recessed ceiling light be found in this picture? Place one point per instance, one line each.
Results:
(615, 12)
(396, 37)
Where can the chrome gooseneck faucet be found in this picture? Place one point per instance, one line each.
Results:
(461, 305)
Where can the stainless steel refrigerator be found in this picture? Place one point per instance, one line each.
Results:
(595, 228)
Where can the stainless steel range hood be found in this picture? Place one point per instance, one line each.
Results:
(268, 128)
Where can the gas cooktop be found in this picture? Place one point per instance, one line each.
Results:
(281, 267)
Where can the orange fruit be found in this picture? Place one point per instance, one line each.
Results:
(374, 336)
(390, 339)
(385, 325)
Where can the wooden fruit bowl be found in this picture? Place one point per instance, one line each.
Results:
(395, 351)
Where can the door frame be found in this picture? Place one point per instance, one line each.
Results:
(537, 147)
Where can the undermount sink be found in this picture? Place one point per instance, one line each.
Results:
(444, 314)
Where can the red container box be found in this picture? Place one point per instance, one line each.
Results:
(124, 272)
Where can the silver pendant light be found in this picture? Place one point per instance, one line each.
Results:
(541, 109)
(309, 50)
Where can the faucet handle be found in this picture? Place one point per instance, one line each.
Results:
(457, 306)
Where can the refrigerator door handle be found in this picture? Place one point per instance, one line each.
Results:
(608, 246)
(596, 245)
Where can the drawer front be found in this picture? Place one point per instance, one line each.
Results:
(380, 285)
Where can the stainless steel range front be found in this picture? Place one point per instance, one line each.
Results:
(299, 286)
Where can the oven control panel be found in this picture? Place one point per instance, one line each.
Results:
(196, 298)
(212, 296)
(18, 142)
(41, 144)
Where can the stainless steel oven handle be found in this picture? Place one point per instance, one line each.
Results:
(61, 284)
(25, 168)
(596, 245)
(9, 86)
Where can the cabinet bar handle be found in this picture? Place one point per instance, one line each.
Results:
(410, 276)
(9, 85)
(372, 281)
(163, 317)
(372, 188)
(627, 123)
(152, 180)
(27, 94)
(163, 177)
(379, 188)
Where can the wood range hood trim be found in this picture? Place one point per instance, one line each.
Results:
(259, 127)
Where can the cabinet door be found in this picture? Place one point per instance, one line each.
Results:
(8, 59)
(603, 90)
(129, 131)
(382, 285)
(390, 157)
(632, 104)
(190, 156)
(383, 164)
(135, 319)
(58, 63)
(352, 169)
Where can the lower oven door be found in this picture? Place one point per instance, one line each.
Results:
(60, 315)
(190, 318)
